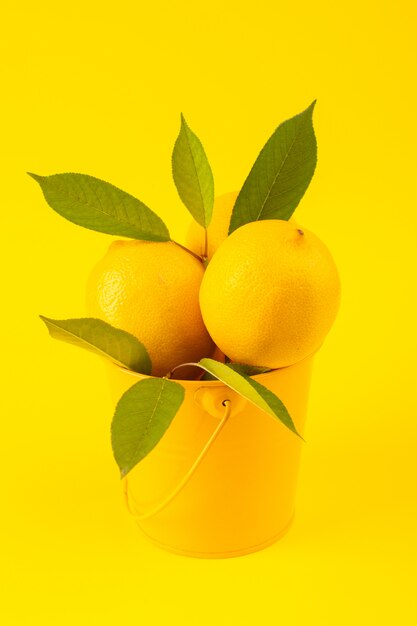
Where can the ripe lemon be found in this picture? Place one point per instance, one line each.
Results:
(217, 229)
(150, 289)
(270, 294)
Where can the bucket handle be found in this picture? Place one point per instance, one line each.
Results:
(156, 509)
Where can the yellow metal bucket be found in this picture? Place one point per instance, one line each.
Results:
(222, 480)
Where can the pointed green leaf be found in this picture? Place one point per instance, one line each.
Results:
(192, 175)
(277, 407)
(97, 205)
(102, 339)
(249, 370)
(250, 389)
(142, 416)
(280, 174)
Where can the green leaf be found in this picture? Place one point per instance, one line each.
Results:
(277, 407)
(280, 174)
(249, 370)
(192, 175)
(240, 368)
(250, 389)
(102, 339)
(97, 205)
(208, 376)
(142, 416)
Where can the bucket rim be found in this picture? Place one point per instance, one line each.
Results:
(211, 383)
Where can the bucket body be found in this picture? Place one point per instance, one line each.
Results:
(241, 496)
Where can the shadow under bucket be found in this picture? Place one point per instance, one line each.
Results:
(222, 480)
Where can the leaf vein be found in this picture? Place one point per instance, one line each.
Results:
(139, 447)
(276, 177)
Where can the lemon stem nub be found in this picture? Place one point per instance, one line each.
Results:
(205, 244)
(300, 231)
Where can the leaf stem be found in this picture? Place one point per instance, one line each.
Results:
(198, 257)
(177, 367)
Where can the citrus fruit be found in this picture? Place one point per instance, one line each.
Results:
(150, 289)
(217, 229)
(270, 294)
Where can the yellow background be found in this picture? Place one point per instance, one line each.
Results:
(98, 89)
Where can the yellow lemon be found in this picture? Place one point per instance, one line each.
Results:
(150, 289)
(270, 294)
(217, 229)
